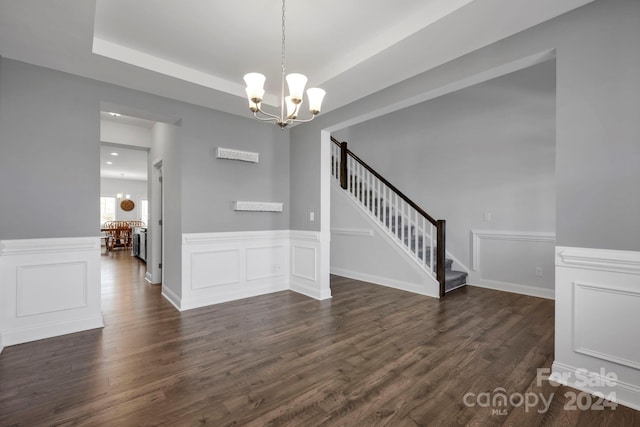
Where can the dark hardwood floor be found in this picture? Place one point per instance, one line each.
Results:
(370, 356)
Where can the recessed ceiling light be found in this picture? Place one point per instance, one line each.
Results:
(115, 114)
(109, 163)
(114, 153)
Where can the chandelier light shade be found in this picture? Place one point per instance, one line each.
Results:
(290, 104)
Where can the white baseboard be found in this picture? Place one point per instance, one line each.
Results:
(148, 277)
(232, 295)
(308, 290)
(384, 281)
(170, 296)
(625, 394)
(516, 288)
(19, 336)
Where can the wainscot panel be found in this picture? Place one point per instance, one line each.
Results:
(49, 287)
(220, 267)
(597, 348)
(308, 276)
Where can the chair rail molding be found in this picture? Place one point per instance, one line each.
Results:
(600, 259)
(353, 232)
(40, 246)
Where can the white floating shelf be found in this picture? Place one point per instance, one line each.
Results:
(257, 206)
(232, 154)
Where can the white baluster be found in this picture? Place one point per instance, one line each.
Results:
(424, 240)
(402, 221)
(432, 249)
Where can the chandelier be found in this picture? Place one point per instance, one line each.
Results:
(291, 103)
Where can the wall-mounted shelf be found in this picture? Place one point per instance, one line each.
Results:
(233, 154)
(240, 205)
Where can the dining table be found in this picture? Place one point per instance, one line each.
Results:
(119, 237)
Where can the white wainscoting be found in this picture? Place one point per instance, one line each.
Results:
(597, 318)
(309, 274)
(521, 278)
(220, 267)
(48, 287)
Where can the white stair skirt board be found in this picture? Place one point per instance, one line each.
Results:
(365, 238)
(597, 317)
(49, 287)
(221, 267)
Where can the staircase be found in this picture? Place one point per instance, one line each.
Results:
(411, 228)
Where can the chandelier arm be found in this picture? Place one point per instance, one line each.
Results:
(303, 120)
(262, 119)
(273, 116)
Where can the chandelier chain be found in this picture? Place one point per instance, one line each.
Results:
(283, 37)
(255, 92)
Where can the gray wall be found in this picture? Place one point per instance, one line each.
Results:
(50, 154)
(488, 148)
(166, 147)
(597, 131)
(49, 167)
(213, 184)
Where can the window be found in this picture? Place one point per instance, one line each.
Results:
(107, 209)
(144, 211)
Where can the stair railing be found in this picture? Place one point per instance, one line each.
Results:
(409, 224)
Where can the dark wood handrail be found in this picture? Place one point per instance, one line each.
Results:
(440, 224)
(388, 184)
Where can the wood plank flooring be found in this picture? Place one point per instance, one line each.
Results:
(371, 356)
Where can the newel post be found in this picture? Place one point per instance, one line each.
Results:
(440, 260)
(343, 165)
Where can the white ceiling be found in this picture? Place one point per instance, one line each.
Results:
(198, 50)
(126, 120)
(127, 164)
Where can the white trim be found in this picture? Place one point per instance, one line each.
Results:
(29, 267)
(353, 232)
(516, 288)
(170, 296)
(41, 246)
(316, 286)
(294, 263)
(430, 282)
(578, 332)
(51, 329)
(308, 290)
(599, 259)
(192, 239)
(303, 235)
(417, 288)
(324, 238)
(514, 236)
(625, 394)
